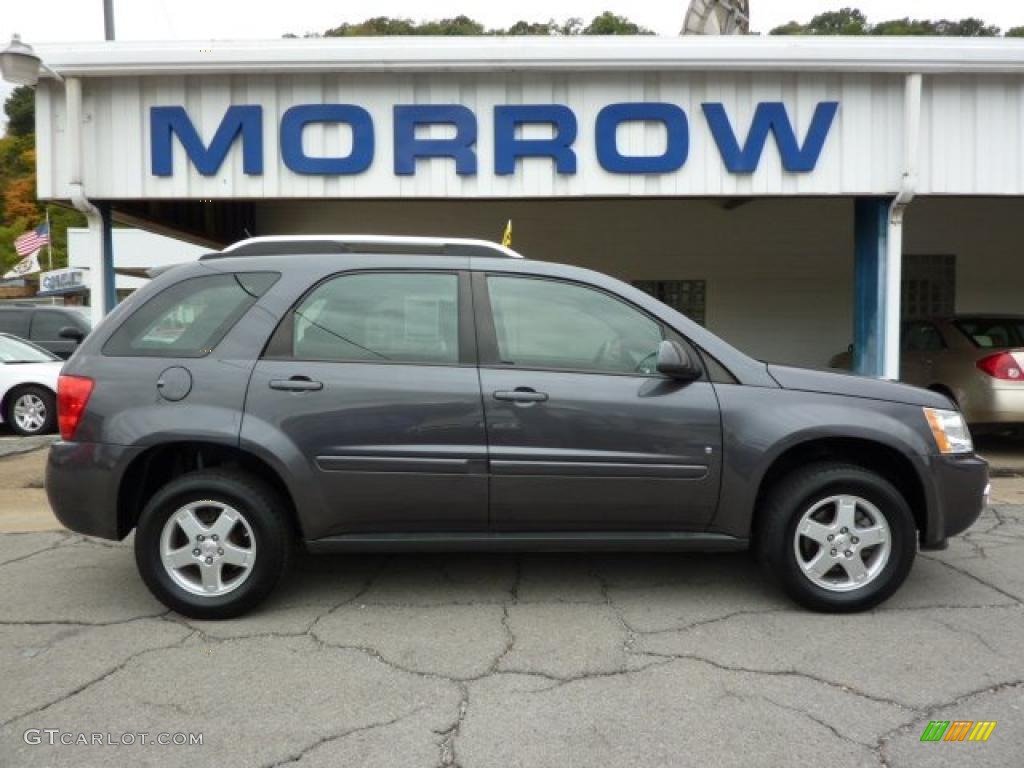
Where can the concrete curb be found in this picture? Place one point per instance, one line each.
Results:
(13, 446)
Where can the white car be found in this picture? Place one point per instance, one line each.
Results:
(28, 386)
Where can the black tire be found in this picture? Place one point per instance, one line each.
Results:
(272, 540)
(49, 402)
(799, 492)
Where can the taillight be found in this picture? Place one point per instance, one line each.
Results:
(1002, 366)
(72, 396)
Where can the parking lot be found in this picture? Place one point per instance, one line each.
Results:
(508, 660)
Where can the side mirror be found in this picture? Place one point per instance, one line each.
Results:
(675, 362)
(71, 333)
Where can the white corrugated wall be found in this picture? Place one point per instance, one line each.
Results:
(861, 156)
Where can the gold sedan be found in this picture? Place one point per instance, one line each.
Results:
(977, 360)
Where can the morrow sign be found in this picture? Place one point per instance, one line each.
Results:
(741, 151)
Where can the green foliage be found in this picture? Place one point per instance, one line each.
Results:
(847, 21)
(610, 24)
(1015, 32)
(850, 21)
(60, 220)
(20, 108)
(19, 210)
(8, 232)
(383, 26)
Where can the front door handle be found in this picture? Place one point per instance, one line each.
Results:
(522, 395)
(297, 384)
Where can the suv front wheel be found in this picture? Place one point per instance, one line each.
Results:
(839, 537)
(212, 544)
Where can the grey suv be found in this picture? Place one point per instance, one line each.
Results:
(56, 329)
(360, 393)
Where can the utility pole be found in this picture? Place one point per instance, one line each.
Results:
(108, 19)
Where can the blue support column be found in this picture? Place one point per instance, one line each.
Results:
(109, 282)
(871, 236)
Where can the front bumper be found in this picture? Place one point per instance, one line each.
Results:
(961, 487)
(82, 483)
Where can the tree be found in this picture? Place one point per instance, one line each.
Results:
(609, 23)
(20, 108)
(19, 208)
(1015, 32)
(970, 27)
(383, 26)
(459, 26)
(848, 21)
(20, 199)
(533, 28)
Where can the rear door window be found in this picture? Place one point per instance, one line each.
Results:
(407, 317)
(190, 318)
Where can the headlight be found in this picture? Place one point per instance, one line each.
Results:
(949, 430)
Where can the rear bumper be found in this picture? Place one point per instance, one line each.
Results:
(991, 405)
(961, 487)
(82, 482)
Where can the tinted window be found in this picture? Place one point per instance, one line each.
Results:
(46, 325)
(13, 321)
(993, 333)
(922, 337)
(190, 318)
(407, 317)
(549, 324)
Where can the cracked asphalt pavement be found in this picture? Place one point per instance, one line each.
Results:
(504, 660)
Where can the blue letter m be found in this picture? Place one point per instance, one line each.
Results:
(165, 122)
(771, 117)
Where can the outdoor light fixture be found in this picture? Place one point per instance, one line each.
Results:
(20, 65)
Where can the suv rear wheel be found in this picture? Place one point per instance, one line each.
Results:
(212, 544)
(840, 538)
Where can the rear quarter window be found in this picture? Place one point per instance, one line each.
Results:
(14, 321)
(190, 318)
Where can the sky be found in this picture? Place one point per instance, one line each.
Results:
(54, 21)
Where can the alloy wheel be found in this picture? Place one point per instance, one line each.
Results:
(30, 412)
(842, 543)
(207, 548)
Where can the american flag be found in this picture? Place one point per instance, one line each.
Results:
(33, 241)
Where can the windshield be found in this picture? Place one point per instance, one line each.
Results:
(993, 332)
(17, 351)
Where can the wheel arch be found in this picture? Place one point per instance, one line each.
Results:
(21, 385)
(943, 389)
(156, 466)
(882, 458)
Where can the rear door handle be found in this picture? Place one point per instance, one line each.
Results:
(297, 384)
(521, 396)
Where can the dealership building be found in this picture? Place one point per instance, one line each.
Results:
(794, 195)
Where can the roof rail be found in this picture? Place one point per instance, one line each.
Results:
(279, 245)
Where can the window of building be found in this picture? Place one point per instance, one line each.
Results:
(929, 286)
(390, 317)
(552, 324)
(688, 297)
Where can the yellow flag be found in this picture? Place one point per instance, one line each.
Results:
(506, 239)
